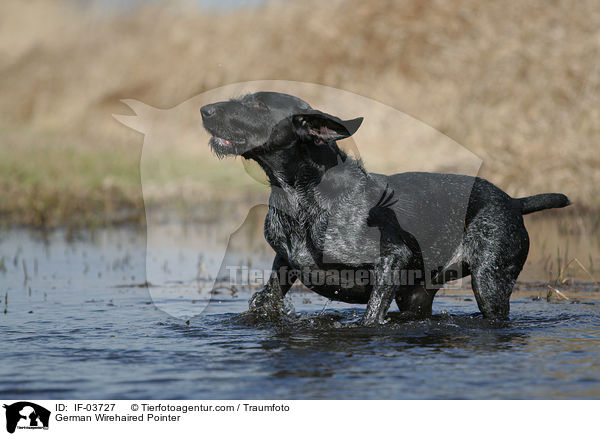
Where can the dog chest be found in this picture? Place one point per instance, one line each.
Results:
(315, 242)
(298, 239)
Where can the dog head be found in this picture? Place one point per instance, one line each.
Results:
(266, 121)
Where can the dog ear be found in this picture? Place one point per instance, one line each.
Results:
(324, 128)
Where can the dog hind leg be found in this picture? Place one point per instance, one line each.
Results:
(495, 270)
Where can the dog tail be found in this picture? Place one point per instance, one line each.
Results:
(539, 202)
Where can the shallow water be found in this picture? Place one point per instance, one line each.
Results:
(80, 323)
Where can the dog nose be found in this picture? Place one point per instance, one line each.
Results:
(208, 111)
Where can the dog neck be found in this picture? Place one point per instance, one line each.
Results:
(323, 169)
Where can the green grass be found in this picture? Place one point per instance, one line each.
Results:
(47, 180)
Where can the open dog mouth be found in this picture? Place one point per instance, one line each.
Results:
(220, 142)
(223, 147)
(228, 142)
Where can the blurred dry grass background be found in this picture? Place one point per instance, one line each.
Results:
(518, 83)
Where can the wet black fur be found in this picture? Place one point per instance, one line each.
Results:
(326, 212)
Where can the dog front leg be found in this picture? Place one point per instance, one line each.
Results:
(384, 291)
(270, 297)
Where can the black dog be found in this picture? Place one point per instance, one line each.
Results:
(361, 237)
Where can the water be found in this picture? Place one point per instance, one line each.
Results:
(81, 324)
